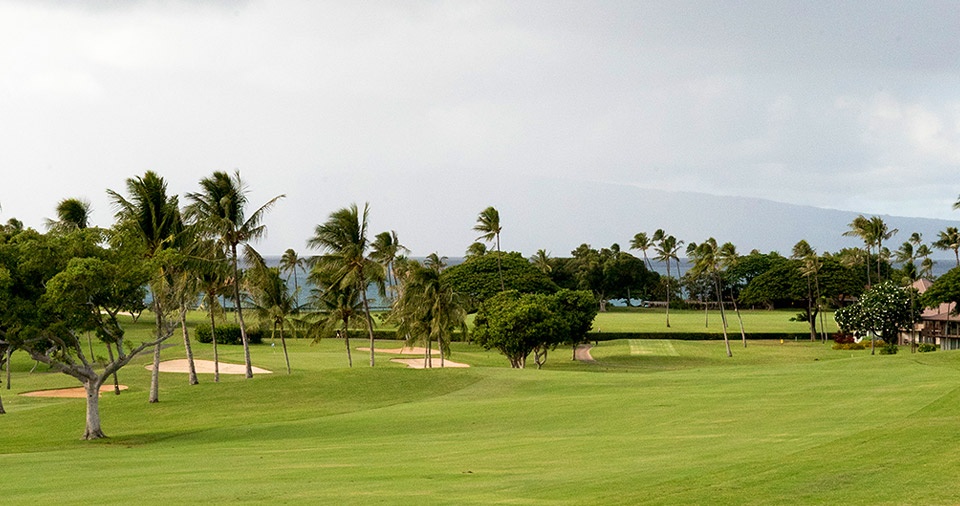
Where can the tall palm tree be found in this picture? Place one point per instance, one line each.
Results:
(727, 258)
(643, 243)
(881, 233)
(862, 227)
(219, 209)
(336, 305)
(213, 275)
(72, 214)
(152, 218)
(949, 239)
(386, 248)
(706, 262)
(488, 224)
(430, 310)
(926, 263)
(810, 268)
(343, 239)
(666, 250)
(290, 263)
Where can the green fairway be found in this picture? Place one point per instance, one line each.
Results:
(686, 320)
(650, 422)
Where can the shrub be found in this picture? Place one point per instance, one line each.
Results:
(842, 338)
(889, 349)
(228, 334)
(926, 347)
(849, 346)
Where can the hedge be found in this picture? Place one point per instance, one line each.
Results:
(693, 336)
(228, 334)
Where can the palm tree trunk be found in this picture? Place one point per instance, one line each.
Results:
(366, 310)
(723, 318)
(740, 319)
(668, 293)
(346, 340)
(499, 269)
(243, 330)
(283, 342)
(9, 352)
(216, 354)
(186, 344)
(155, 374)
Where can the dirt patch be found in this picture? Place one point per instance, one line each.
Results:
(420, 363)
(71, 393)
(204, 366)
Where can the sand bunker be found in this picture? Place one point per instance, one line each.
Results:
(420, 363)
(72, 393)
(403, 351)
(204, 366)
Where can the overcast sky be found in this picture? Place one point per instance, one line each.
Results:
(424, 108)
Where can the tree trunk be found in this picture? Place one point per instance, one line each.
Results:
(283, 342)
(243, 329)
(499, 269)
(740, 319)
(155, 374)
(186, 345)
(668, 293)
(93, 431)
(2, 411)
(428, 359)
(116, 381)
(9, 353)
(366, 310)
(216, 354)
(723, 320)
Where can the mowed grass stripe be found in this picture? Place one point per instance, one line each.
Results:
(655, 347)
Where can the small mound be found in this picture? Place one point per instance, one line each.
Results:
(69, 393)
(402, 351)
(204, 366)
(419, 363)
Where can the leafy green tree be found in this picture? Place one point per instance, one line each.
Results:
(609, 273)
(518, 324)
(429, 309)
(488, 224)
(881, 311)
(945, 290)
(151, 218)
(479, 277)
(579, 308)
(220, 210)
(343, 241)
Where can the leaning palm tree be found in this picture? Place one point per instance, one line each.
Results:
(666, 250)
(643, 243)
(881, 233)
(477, 249)
(541, 260)
(862, 228)
(219, 209)
(343, 241)
(727, 258)
(706, 262)
(72, 214)
(810, 268)
(151, 218)
(949, 239)
(488, 224)
(290, 263)
(213, 276)
(336, 307)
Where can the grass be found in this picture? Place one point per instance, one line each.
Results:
(651, 422)
(619, 319)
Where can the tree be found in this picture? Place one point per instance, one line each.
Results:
(151, 218)
(882, 233)
(518, 324)
(488, 224)
(666, 249)
(67, 285)
(386, 247)
(609, 273)
(477, 249)
(945, 290)
(213, 275)
(219, 210)
(290, 263)
(643, 243)
(72, 214)
(727, 258)
(706, 261)
(336, 305)
(810, 269)
(479, 277)
(272, 300)
(881, 311)
(343, 239)
(579, 308)
(541, 260)
(429, 309)
(949, 239)
(862, 228)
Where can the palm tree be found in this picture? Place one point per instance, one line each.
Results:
(153, 220)
(541, 260)
(272, 299)
(881, 233)
(666, 250)
(336, 305)
(72, 214)
(343, 239)
(488, 224)
(949, 239)
(706, 261)
(861, 227)
(213, 275)
(810, 267)
(219, 209)
(386, 248)
(430, 309)
(643, 243)
(477, 249)
(727, 258)
(290, 262)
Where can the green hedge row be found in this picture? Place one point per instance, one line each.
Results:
(228, 334)
(693, 336)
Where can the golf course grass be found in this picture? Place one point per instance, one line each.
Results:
(649, 422)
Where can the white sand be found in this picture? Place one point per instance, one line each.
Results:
(72, 393)
(403, 351)
(204, 366)
(420, 363)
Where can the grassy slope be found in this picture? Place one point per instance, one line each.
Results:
(659, 422)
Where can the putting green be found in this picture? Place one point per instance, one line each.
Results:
(653, 347)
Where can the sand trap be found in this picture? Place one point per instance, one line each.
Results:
(403, 351)
(72, 393)
(204, 366)
(419, 363)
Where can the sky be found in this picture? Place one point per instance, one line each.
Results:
(427, 110)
